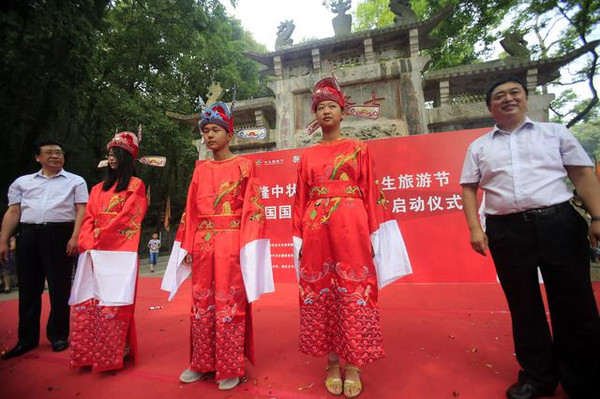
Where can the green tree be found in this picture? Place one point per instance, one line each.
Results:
(588, 134)
(559, 27)
(471, 23)
(76, 71)
(160, 55)
(372, 14)
(47, 59)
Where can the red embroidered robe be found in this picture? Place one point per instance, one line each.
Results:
(345, 242)
(224, 230)
(103, 292)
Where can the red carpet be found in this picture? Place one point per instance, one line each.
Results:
(442, 341)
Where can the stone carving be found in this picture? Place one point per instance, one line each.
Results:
(338, 6)
(342, 22)
(515, 45)
(403, 11)
(215, 92)
(284, 32)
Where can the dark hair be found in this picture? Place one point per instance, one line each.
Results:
(37, 147)
(488, 95)
(125, 170)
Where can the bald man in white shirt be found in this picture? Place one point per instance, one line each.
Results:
(521, 166)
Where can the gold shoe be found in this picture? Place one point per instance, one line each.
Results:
(354, 385)
(334, 384)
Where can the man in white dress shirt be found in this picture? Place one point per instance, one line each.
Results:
(48, 207)
(521, 165)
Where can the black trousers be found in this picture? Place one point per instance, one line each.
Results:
(559, 246)
(41, 255)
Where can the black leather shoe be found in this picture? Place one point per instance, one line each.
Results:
(60, 345)
(524, 390)
(18, 350)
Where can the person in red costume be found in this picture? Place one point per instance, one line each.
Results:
(222, 241)
(103, 293)
(346, 246)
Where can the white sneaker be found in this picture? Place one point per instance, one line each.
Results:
(189, 376)
(229, 383)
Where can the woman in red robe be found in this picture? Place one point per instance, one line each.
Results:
(103, 293)
(346, 247)
(223, 242)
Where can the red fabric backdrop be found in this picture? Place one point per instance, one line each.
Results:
(420, 177)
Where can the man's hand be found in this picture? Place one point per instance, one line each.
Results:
(72, 246)
(4, 250)
(479, 241)
(187, 260)
(10, 222)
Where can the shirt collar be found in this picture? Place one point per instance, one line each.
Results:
(60, 173)
(527, 121)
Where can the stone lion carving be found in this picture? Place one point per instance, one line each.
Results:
(515, 45)
(403, 11)
(284, 32)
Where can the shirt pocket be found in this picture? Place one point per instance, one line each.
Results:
(543, 153)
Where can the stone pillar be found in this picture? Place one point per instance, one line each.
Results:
(259, 118)
(444, 92)
(316, 60)
(284, 133)
(369, 54)
(414, 42)
(532, 79)
(277, 66)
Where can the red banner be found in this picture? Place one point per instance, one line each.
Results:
(420, 177)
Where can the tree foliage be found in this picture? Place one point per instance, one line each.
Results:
(588, 134)
(76, 71)
(472, 22)
(372, 14)
(554, 28)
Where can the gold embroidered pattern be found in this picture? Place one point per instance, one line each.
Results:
(115, 200)
(319, 190)
(341, 160)
(134, 224)
(206, 225)
(259, 213)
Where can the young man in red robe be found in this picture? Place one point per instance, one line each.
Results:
(223, 243)
(346, 246)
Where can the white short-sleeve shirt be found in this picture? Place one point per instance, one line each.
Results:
(48, 199)
(524, 169)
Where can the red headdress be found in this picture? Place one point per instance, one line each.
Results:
(127, 141)
(130, 142)
(327, 89)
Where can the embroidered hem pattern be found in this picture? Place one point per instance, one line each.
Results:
(335, 322)
(99, 335)
(217, 345)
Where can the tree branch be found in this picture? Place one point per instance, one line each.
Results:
(594, 100)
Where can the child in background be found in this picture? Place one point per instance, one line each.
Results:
(154, 246)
